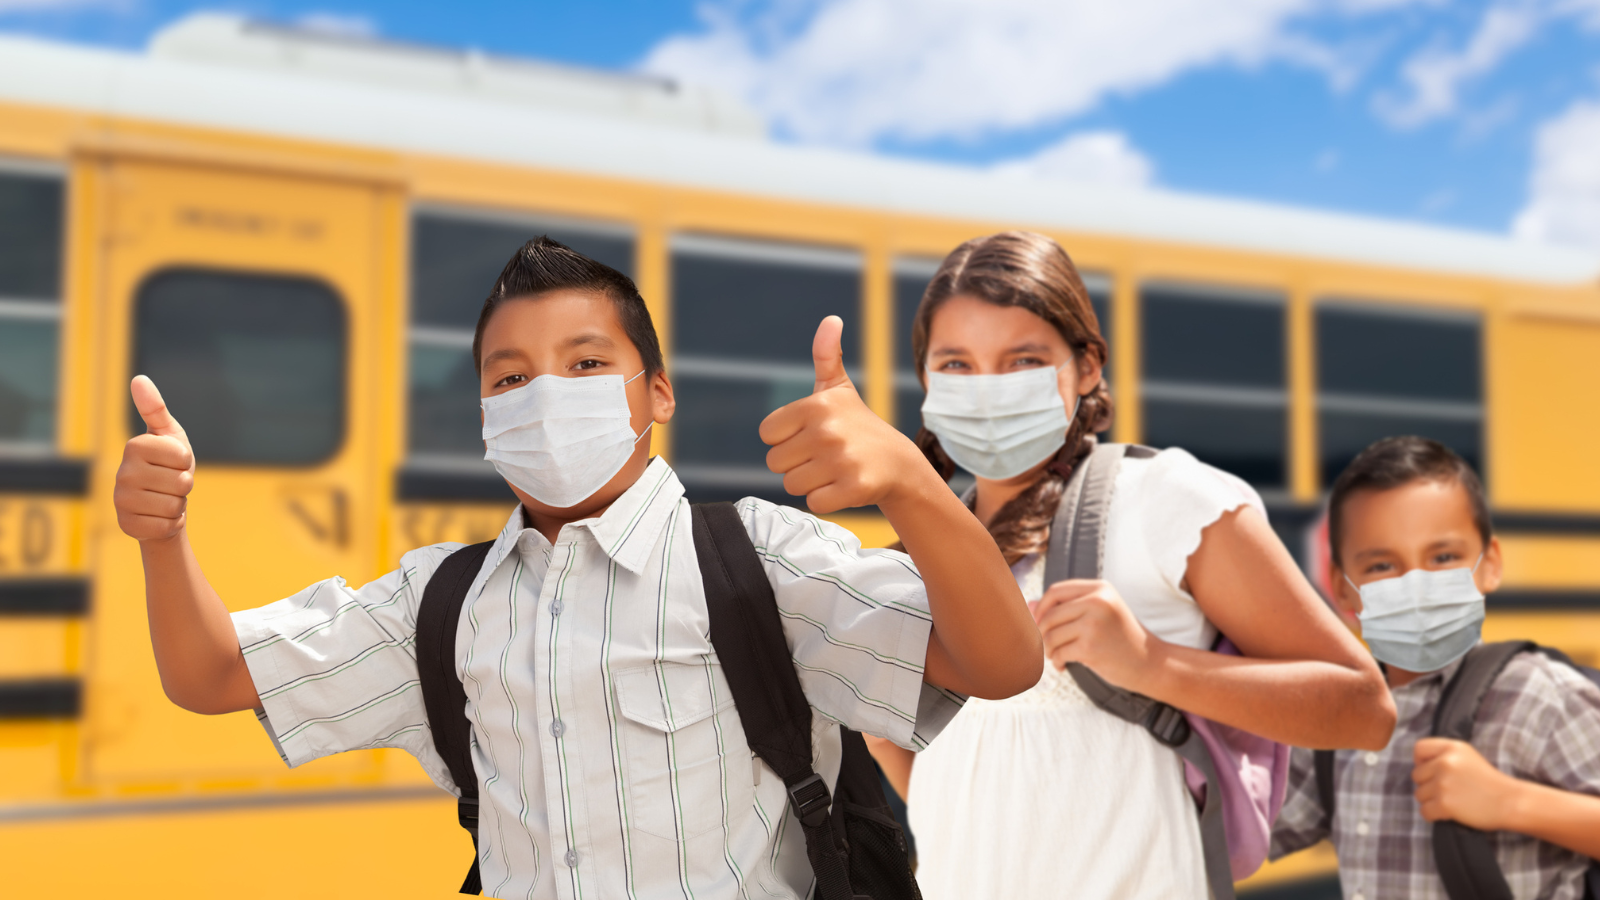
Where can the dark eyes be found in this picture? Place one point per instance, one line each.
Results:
(587, 364)
(510, 379)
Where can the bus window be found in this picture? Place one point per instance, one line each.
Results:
(1387, 370)
(455, 259)
(911, 277)
(253, 365)
(1214, 377)
(744, 315)
(30, 308)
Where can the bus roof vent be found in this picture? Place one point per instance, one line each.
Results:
(232, 40)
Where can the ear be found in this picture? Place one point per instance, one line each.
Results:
(1489, 571)
(1345, 597)
(662, 403)
(1090, 371)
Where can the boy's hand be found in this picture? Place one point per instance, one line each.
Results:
(157, 471)
(1087, 622)
(1455, 782)
(829, 446)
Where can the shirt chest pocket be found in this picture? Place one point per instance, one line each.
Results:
(687, 766)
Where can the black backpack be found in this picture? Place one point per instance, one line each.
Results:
(856, 847)
(1465, 856)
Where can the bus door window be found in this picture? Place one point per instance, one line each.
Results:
(744, 313)
(30, 308)
(1214, 380)
(253, 365)
(456, 257)
(1389, 370)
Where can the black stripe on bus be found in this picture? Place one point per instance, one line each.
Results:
(1532, 522)
(41, 698)
(44, 596)
(48, 475)
(433, 484)
(1515, 599)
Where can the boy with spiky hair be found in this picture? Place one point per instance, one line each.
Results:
(610, 758)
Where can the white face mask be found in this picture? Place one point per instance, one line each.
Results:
(560, 439)
(1424, 620)
(997, 426)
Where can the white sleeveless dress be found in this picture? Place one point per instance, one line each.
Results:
(1043, 795)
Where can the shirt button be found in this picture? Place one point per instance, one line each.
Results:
(556, 606)
(571, 858)
(1371, 758)
(558, 728)
(1361, 828)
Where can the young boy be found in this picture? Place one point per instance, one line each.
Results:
(1409, 528)
(610, 758)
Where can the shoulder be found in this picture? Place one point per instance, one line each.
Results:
(1532, 683)
(1173, 477)
(770, 523)
(417, 566)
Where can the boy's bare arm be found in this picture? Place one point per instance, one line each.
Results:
(837, 453)
(197, 650)
(895, 761)
(1455, 783)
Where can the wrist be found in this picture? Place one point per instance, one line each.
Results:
(1154, 676)
(1517, 806)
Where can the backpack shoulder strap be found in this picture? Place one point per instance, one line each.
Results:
(443, 697)
(747, 633)
(1077, 550)
(1465, 856)
(1327, 788)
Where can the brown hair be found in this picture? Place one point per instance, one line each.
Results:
(1397, 461)
(1031, 272)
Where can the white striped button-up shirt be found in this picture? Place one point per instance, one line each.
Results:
(610, 758)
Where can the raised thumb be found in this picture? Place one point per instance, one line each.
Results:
(828, 356)
(152, 409)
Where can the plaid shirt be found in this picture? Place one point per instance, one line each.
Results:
(1540, 721)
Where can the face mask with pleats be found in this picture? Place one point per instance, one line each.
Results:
(997, 426)
(559, 439)
(1423, 620)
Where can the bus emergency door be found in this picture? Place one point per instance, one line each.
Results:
(253, 300)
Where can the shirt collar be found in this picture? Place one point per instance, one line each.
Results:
(628, 529)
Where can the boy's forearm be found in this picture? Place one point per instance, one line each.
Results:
(196, 648)
(1563, 818)
(984, 642)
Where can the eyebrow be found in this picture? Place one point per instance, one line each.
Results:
(1028, 348)
(498, 355)
(592, 337)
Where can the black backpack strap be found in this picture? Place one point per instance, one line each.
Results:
(747, 634)
(1327, 789)
(1077, 550)
(1465, 856)
(443, 697)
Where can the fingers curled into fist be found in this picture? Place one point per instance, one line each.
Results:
(157, 471)
(1086, 621)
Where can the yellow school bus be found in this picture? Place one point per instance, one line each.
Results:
(292, 234)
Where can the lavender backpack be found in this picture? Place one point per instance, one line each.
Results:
(1238, 779)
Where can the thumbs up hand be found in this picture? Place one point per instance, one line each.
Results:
(157, 471)
(829, 447)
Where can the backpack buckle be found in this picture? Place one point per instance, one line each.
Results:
(1167, 725)
(811, 800)
(467, 814)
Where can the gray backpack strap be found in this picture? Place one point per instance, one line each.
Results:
(1077, 550)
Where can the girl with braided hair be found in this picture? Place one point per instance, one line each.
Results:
(1044, 794)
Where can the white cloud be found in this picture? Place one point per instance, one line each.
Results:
(337, 24)
(1564, 189)
(1436, 75)
(1105, 157)
(855, 71)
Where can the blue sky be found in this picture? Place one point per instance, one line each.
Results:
(1483, 115)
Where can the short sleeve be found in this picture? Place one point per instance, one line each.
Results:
(1179, 497)
(336, 667)
(1541, 721)
(857, 622)
(1302, 821)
